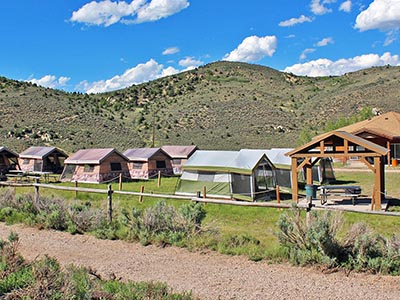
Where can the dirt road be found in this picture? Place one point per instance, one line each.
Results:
(208, 275)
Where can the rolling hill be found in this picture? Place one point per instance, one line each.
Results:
(223, 105)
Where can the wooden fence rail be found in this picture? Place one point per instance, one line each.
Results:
(109, 192)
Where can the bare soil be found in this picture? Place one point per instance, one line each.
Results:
(207, 274)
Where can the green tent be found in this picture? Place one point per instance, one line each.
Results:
(245, 175)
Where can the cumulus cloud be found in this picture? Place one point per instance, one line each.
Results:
(303, 54)
(51, 81)
(319, 7)
(107, 12)
(141, 73)
(326, 67)
(170, 51)
(190, 63)
(294, 21)
(345, 6)
(324, 42)
(253, 48)
(381, 14)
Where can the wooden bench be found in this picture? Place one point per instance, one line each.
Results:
(345, 191)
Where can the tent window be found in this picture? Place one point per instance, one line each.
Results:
(88, 168)
(161, 164)
(2, 161)
(241, 184)
(137, 165)
(177, 161)
(395, 151)
(115, 166)
(25, 162)
(206, 176)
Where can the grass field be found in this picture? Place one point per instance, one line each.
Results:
(233, 221)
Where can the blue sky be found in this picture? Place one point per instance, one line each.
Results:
(98, 46)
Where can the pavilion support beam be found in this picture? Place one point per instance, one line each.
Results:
(371, 167)
(389, 162)
(295, 180)
(309, 178)
(379, 182)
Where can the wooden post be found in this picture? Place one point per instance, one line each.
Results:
(141, 196)
(295, 182)
(76, 192)
(159, 179)
(109, 198)
(37, 194)
(204, 192)
(120, 182)
(278, 194)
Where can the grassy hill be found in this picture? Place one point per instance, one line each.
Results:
(223, 105)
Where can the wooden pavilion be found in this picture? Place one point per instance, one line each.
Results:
(340, 144)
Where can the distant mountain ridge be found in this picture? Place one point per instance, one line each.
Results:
(222, 105)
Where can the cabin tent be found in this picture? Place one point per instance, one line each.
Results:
(42, 159)
(322, 172)
(145, 163)
(179, 156)
(8, 161)
(243, 175)
(95, 166)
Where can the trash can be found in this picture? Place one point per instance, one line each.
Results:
(394, 162)
(311, 191)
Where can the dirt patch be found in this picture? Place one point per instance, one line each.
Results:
(208, 275)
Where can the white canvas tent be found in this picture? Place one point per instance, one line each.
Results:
(245, 174)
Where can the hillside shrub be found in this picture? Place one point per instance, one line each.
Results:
(44, 279)
(163, 224)
(359, 248)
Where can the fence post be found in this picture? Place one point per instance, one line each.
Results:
(109, 198)
(278, 194)
(204, 192)
(159, 179)
(141, 196)
(76, 192)
(120, 182)
(37, 194)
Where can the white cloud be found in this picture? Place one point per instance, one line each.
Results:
(326, 67)
(51, 81)
(345, 6)
(303, 54)
(170, 51)
(294, 21)
(190, 63)
(324, 42)
(253, 48)
(158, 9)
(107, 12)
(141, 73)
(381, 14)
(318, 7)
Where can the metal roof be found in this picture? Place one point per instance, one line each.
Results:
(91, 156)
(39, 152)
(243, 161)
(142, 154)
(179, 151)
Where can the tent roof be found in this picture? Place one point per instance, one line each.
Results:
(243, 161)
(91, 156)
(38, 152)
(8, 152)
(179, 151)
(142, 154)
(386, 125)
(276, 155)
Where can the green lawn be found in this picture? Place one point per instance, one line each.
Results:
(257, 222)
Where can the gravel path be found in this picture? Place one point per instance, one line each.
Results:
(208, 275)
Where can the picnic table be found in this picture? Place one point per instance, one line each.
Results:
(352, 191)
